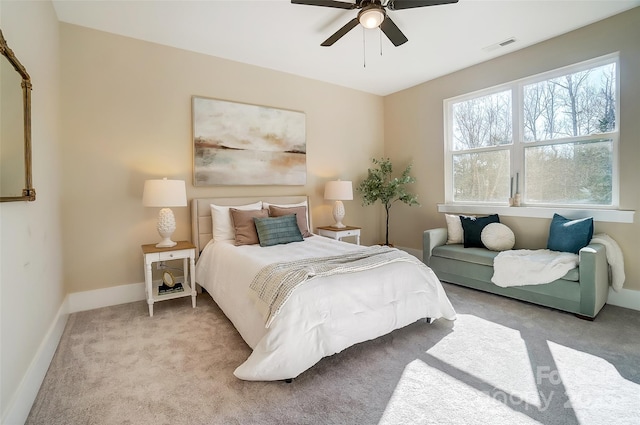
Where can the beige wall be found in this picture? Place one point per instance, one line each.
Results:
(127, 117)
(31, 286)
(414, 130)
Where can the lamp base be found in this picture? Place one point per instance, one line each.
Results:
(166, 243)
(166, 227)
(338, 215)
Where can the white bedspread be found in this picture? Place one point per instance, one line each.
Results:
(323, 316)
(531, 267)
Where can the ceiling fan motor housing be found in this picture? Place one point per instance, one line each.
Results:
(371, 15)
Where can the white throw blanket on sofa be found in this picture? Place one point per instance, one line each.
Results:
(614, 258)
(531, 267)
(535, 267)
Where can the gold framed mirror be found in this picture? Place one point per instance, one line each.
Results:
(168, 279)
(15, 128)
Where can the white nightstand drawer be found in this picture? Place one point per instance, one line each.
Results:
(171, 255)
(349, 233)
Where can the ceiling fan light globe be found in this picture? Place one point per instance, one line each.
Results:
(371, 18)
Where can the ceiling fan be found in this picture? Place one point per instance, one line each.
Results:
(372, 14)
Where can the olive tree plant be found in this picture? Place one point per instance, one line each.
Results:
(380, 185)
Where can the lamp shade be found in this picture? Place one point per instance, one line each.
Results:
(164, 193)
(338, 190)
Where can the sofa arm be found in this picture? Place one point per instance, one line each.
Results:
(594, 279)
(430, 239)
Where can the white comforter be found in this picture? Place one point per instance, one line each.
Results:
(323, 316)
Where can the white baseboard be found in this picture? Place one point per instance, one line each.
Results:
(626, 298)
(98, 298)
(20, 404)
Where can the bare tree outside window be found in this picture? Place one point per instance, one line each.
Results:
(578, 104)
(566, 135)
(573, 106)
(483, 122)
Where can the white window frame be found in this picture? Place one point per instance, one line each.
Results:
(610, 213)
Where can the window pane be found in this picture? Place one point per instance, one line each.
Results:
(481, 177)
(577, 104)
(482, 122)
(569, 173)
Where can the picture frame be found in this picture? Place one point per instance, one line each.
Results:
(168, 279)
(244, 144)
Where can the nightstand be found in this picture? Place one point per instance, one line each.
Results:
(339, 233)
(184, 250)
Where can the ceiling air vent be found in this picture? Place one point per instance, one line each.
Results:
(507, 42)
(503, 43)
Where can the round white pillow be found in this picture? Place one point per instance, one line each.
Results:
(497, 237)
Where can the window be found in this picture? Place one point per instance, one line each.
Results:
(552, 137)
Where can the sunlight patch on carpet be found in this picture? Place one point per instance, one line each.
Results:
(492, 353)
(426, 395)
(594, 388)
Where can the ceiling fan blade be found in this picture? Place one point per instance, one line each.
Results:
(392, 31)
(410, 4)
(326, 3)
(342, 31)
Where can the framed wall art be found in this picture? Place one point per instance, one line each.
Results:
(242, 144)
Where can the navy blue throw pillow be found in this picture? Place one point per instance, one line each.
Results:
(472, 228)
(567, 235)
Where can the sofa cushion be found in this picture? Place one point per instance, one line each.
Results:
(471, 255)
(573, 275)
(497, 237)
(472, 229)
(569, 235)
(454, 228)
(483, 257)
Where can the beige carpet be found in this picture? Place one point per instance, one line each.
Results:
(501, 362)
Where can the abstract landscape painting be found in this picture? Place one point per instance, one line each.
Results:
(241, 144)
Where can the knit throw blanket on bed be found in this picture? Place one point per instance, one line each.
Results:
(274, 284)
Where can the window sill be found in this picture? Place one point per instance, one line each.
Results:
(611, 216)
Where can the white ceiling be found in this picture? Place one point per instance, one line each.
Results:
(286, 37)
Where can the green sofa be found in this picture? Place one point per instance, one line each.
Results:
(582, 291)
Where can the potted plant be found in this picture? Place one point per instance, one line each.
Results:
(380, 185)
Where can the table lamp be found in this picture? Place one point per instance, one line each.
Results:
(338, 191)
(164, 194)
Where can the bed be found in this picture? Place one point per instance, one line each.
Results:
(322, 316)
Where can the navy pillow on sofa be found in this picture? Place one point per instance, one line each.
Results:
(472, 228)
(569, 235)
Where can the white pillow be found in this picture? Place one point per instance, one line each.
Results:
(497, 237)
(222, 228)
(455, 234)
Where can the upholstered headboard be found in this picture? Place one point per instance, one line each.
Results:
(201, 227)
